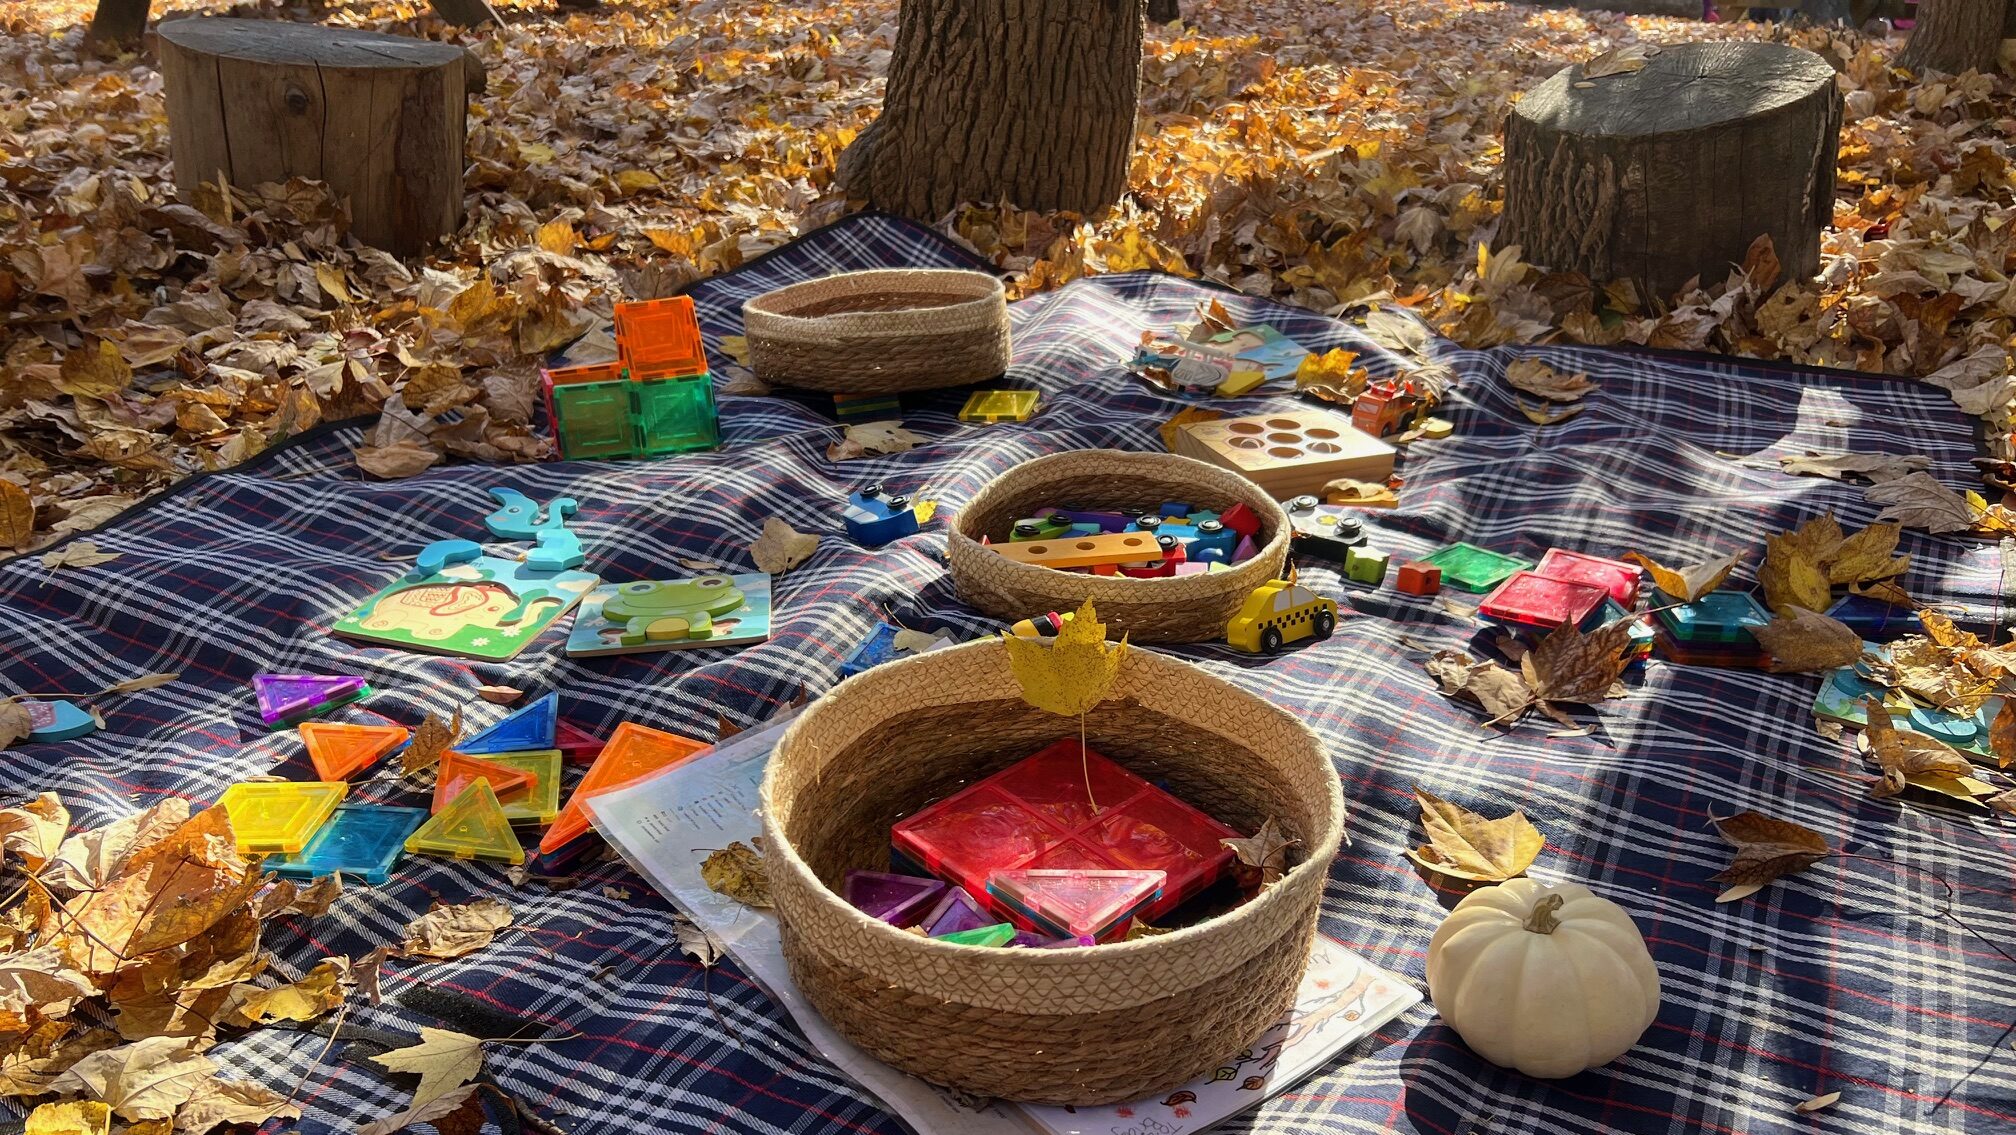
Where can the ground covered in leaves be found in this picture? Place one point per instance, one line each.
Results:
(1322, 154)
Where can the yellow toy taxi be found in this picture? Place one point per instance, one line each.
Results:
(1278, 612)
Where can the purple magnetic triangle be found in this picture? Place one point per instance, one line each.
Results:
(284, 695)
(955, 912)
(895, 899)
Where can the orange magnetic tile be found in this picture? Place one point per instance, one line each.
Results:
(339, 750)
(459, 770)
(633, 752)
(660, 338)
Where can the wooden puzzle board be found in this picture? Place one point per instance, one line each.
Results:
(1289, 452)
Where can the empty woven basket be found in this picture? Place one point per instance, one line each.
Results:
(881, 332)
(1186, 608)
(1071, 1026)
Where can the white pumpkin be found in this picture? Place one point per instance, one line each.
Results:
(1550, 981)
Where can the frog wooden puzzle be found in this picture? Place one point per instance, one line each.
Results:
(672, 614)
(485, 608)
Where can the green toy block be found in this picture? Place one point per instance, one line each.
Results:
(594, 419)
(1363, 565)
(675, 415)
(997, 935)
(1475, 569)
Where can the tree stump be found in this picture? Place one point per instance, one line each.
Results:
(1024, 101)
(1662, 174)
(380, 118)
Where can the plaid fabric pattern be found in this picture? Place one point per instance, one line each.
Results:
(1852, 976)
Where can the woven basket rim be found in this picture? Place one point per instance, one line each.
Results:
(983, 294)
(1319, 851)
(1172, 465)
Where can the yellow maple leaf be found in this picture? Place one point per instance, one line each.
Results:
(1074, 672)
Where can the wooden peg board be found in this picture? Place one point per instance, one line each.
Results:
(1289, 452)
(1084, 551)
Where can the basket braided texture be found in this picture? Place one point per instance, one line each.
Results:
(1071, 1026)
(1189, 608)
(880, 332)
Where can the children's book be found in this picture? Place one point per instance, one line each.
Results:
(711, 799)
(487, 608)
(672, 614)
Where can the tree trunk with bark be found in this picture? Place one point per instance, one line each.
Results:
(380, 118)
(1955, 36)
(119, 21)
(1029, 102)
(1672, 171)
(465, 13)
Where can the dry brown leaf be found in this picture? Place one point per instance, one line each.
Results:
(1817, 1103)
(1504, 694)
(1907, 757)
(435, 1111)
(315, 994)
(1688, 583)
(89, 860)
(147, 1079)
(499, 695)
(444, 1060)
(1541, 416)
(1767, 848)
(781, 547)
(1918, 500)
(78, 554)
(1791, 577)
(1616, 61)
(740, 873)
(220, 1102)
(1530, 374)
(1570, 666)
(2002, 734)
(1867, 556)
(1263, 855)
(72, 1117)
(143, 682)
(15, 723)
(432, 739)
(454, 930)
(313, 900)
(1465, 845)
(1841, 466)
(695, 940)
(44, 979)
(98, 371)
(872, 439)
(1802, 641)
(392, 462)
(34, 831)
(1364, 494)
(17, 515)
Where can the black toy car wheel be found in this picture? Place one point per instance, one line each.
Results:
(1270, 640)
(1324, 624)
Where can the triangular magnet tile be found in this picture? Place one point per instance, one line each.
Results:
(472, 826)
(895, 899)
(278, 816)
(633, 752)
(1076, 902)
(954, 912)
(541, 803)
(57, 720)
(998, 935)
(531, 727)
(287, 698)
(340, 751)
(459, 770)
(577, 744)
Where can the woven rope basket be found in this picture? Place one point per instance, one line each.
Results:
(1071, 1026)
(880, 332)
(1189, 608)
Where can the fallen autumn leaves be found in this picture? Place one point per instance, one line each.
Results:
(154, 923)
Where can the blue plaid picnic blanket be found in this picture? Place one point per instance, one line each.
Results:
(1881, 976)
